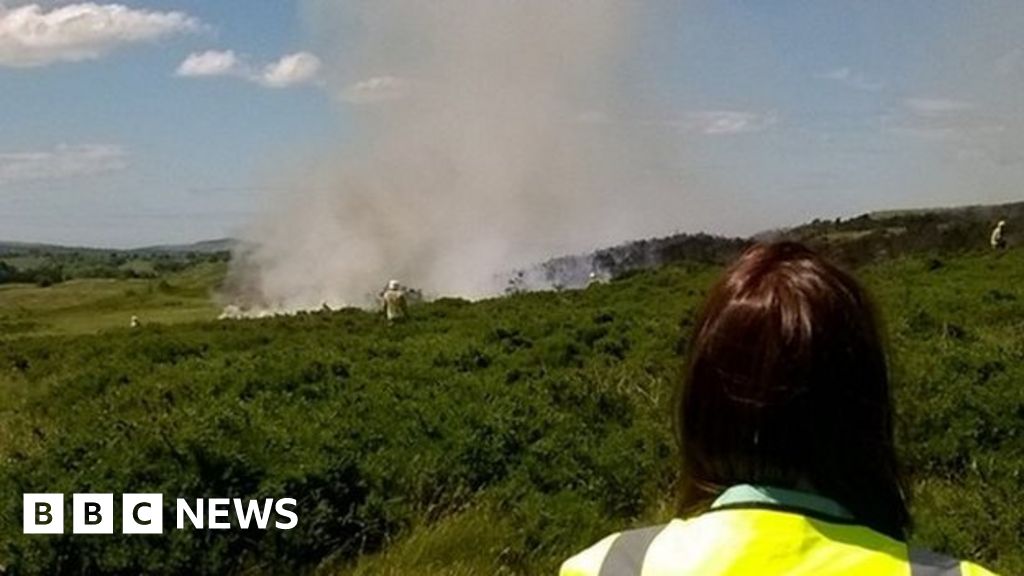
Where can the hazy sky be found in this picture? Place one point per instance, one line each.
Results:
(176, 120)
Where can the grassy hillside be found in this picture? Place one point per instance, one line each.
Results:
(880, 236)
(486, 438)
(90, 305)
(45, 266)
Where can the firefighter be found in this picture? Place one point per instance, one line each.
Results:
(997, 239)
(784, 424)
(394, 302)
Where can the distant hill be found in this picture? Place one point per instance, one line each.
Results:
(853, 241)
(575, 271)
(878, 235)
(201, 247)
(25, 247)
(989, 211)
(47, 264)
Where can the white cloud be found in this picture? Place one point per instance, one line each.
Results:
(726, 122)
(1009, 63)
(937, 120)
(31, 35)
(290, 70)
(925, 132)
(965, 131)
(210, 63)
(851, 79)
(376, 89)
(936, 106)
(64, 161)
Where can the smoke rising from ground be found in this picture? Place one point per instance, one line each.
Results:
(484, 137)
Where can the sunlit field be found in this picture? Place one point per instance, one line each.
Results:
(529, 425)
(89, 305)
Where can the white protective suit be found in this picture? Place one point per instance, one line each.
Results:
(997, 240)
(394, 301)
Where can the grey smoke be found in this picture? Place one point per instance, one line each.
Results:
(484, 136)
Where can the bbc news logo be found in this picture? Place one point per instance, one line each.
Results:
(144, 514)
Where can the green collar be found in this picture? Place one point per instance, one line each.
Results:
(749, 494)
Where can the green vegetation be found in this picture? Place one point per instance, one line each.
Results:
(94, 304)
(45, 266)
(881, 236)
(485, 438)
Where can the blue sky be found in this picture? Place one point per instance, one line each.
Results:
(181, 118)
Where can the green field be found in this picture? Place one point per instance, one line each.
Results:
(495, 437)
(90, 305)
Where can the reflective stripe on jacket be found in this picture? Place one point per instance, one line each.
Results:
(763, 531)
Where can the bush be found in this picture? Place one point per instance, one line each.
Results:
(550, 410)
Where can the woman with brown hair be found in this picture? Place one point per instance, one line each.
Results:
(784, 423)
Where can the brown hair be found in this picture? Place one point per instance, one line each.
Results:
(787, 385)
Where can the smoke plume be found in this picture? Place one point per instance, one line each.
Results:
(481, 137)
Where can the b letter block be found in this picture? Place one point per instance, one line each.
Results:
(43, 514)
(92, 514)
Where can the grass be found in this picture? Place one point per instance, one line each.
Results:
(92, 305)
(440, 548)
(496, 437)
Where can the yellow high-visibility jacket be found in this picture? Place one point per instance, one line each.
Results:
(763, 531)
